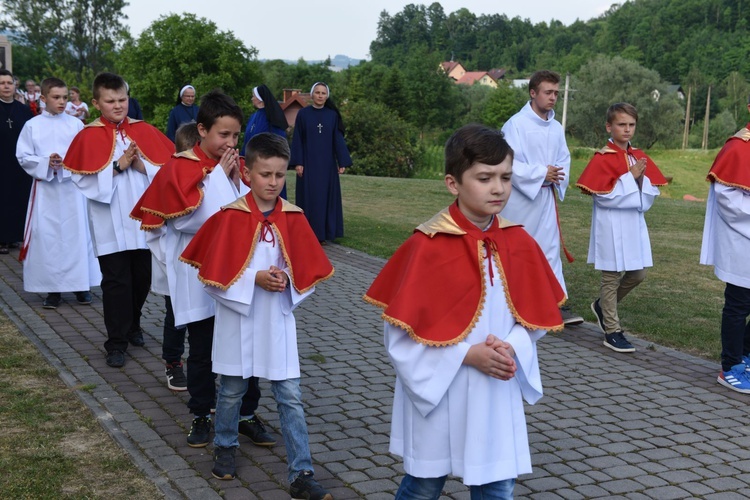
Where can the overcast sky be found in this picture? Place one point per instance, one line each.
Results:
(290, 29)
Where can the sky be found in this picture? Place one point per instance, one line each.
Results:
(316, 29)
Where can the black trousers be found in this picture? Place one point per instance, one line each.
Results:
(200, 377)
(126, 280)
(735, 330)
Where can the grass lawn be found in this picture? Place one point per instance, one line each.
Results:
(50, 444)
(679, 304)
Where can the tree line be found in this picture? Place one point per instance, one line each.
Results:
(398, 106)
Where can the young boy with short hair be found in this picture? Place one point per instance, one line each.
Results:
(259, 258)
(465, 354)
(57, 254)
(188, 190)
(112, 161)
(726, 245)
(622, 181)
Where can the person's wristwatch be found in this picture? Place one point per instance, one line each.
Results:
(116, 166)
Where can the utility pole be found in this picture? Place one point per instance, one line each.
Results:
(687, 120)
(565, 101)
(704, 142)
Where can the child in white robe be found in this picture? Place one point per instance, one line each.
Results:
(465, 354)
(259, 258)
(57, 253)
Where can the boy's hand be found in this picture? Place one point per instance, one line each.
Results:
(55, 161)
(273, 280)
(554, 174)
(493, 361)
(638, 168)
(230, 162)
(300, 169)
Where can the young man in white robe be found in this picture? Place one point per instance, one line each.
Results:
(57, 253)
(465, 354)
(726, 245)
(112, 161)
(191, 187)
(541, 171)
(259, 258)
(622, 181)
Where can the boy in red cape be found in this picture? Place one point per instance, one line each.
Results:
(112, 161)
(259, 258)
(466, 298)
(726, 245)
(622, 181)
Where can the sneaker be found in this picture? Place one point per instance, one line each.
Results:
(83, 297)
(254, 429)
(305, 487)
(617, 342)
(136, 338)
(116, 359)
(52, 301)
(175, 377)
(746, 360)
(224, 467)
(736, 379)
(570, 319)
(597, 310)
(199, 431)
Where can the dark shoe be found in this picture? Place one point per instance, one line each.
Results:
(83, 297)
(116, 359)
(570, 319)
(136, 338)
(617, 342)
(597, 310)
(254, 429)
(52, 301)
(4, 249)
(305, 487)
(199, 431)
(175, 377)
(224, 467)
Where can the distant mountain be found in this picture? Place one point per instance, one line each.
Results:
(339, 61)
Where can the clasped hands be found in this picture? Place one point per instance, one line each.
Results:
(273, 280)
(132, 158)
(494, 358)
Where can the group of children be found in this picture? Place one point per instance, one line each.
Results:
(233, 260)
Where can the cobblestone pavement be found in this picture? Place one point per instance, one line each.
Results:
(654, 424)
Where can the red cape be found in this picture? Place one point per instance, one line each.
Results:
(433, 286)
(223, 247)
(609, 164)
(175, 190)
(93, 149)
(731, 164)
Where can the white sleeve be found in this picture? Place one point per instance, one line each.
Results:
(34, 165)
(425, 372)
(524, 344)
(627, 195)
(733, 206)
(563, 160)
(528, 179)
(97, 187)
(218, 190)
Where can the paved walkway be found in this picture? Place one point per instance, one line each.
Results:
(649, 425)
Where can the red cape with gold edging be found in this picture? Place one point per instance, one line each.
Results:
(93, 149)
(175, 191)
(223, 247)
(731, 164)
(609, 164)
(434, 287)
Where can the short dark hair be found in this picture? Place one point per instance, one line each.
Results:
(186, 136)
(51, 83)
(5, 72)
(266, 145)
(108, 81)
(543, 75)
(621, 107)
(75, 89)
(216, 104)
(474, 143)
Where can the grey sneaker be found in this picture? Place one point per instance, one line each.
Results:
(305, 487)
(570, 319)
(617, 342)
(224, 467)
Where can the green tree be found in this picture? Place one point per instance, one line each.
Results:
(180, 49)
(604, 81)
(503, 102)
(381, 143)
(736, 91)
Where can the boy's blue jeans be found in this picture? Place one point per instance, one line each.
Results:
(291, 415)
(429, 488)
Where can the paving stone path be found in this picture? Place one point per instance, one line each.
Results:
(651, 425)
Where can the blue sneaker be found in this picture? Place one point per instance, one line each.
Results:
(736, 379)
(746, 360)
